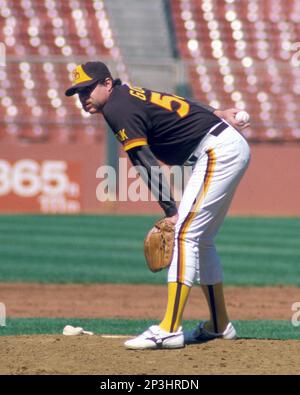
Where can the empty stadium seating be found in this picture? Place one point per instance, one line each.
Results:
(43, 40)
(240, 55)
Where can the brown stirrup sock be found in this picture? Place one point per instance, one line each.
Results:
(177, 297)
(213, 307)
(218, 315)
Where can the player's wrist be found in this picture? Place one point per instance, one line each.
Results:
(218, 113)
(173, 219)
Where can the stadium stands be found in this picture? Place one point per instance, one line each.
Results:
(42, 39)
(240, 55)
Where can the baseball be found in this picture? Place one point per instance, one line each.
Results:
(242, 116)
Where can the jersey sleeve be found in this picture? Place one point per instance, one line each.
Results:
(207, 107)
(154, 178)
(128, 122)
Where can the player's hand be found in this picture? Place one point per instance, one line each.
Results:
(172, 219)
(229, 116)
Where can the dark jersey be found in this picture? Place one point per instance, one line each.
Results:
(172, 126)
(153, 125)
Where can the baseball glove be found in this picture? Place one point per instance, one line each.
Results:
(158, 246)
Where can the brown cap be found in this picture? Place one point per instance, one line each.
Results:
(87, 74)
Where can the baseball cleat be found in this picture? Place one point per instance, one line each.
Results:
(156, 338)
(200, 334)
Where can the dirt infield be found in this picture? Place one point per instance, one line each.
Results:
(58, 354)
(97, 355)
(139, 301)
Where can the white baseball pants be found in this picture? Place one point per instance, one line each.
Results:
(222, 161)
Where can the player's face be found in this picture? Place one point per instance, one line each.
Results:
(94, 97)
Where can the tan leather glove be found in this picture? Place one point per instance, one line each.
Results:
(159, 245)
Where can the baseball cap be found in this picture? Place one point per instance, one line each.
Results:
(87, 74)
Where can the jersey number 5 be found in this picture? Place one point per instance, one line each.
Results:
(166, 101)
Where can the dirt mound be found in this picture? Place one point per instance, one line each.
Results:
(97, 355)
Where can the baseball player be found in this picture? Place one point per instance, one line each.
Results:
(155, 126)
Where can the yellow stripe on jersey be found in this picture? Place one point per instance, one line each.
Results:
(134, 143)
(211, 163)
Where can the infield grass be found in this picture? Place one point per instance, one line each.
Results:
(109, 249)
(281, 330)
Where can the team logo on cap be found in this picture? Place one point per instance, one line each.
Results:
(79, 75)
(75, 75)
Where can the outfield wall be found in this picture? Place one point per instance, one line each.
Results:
(271, 185)
(51, 178)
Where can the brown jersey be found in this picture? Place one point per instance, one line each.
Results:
(172, 126)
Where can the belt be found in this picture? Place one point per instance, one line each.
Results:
(215, 132)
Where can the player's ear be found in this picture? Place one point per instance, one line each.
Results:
(108, 83)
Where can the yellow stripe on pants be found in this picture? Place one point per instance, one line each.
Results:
(211, 163)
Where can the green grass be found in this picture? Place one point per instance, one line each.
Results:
(282, 330)
(103, 249)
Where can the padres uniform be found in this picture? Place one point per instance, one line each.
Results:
(178, 131)
(155, 126)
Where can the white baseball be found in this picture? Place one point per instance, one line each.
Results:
(242, 116)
